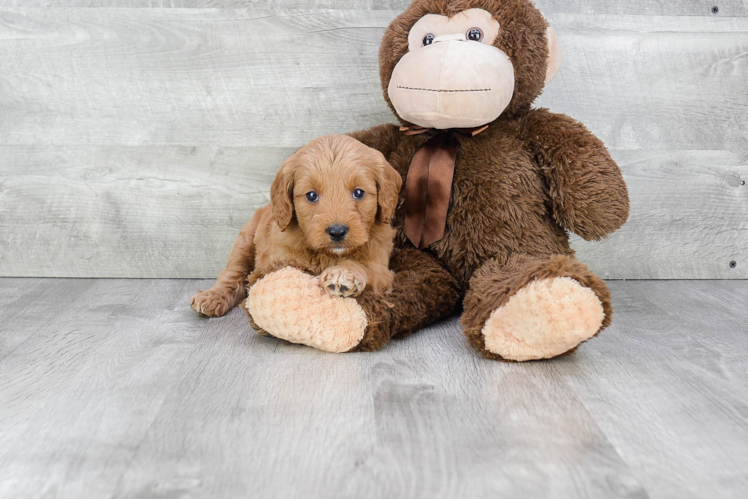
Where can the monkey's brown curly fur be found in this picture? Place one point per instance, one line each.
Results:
(406, 309)
(518, 188)
(498, 280)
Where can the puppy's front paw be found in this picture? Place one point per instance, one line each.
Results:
(342, 282)
(213, 302)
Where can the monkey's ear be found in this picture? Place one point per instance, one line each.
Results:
(554, 54)
(388, 191)
(281, 195)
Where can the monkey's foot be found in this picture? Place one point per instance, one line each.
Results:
(291, 305)
(544, 319)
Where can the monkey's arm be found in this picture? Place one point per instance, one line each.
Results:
(383, 138)
(588, 192)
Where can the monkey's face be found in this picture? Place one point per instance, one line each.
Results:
(452, 75)
(464, 69)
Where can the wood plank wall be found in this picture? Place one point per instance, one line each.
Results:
(136, 140)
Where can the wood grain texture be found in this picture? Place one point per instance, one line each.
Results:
(117, 389)
(688, 219)
(654, 83)
(128, 211)
(726, 8)
(151, 212)
(134, 142)
(140, 77)
(675, 379)
(263, 78)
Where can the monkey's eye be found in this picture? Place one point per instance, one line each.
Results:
(358, 194)
(475, 35)
(312, 197)
(428, 39)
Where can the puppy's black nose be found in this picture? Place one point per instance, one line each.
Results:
(337, 232)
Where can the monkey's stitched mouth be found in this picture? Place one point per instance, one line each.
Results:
(437, 90)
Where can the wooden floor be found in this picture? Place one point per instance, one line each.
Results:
(115, 388)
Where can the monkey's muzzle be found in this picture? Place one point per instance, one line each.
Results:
(452, 84)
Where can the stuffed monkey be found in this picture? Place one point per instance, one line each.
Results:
(491, 188)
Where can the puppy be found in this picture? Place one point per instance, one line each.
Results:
(330, 209)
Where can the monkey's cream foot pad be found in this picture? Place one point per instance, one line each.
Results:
(544, 319)
(291, 305)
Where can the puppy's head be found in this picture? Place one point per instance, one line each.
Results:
(336, 189)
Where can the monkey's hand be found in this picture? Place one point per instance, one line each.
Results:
(586, 186)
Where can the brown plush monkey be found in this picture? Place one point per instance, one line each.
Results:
(491, 188)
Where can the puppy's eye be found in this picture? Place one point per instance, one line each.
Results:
(475, 35)
(358, 194)
(428, 39)
(312, 197)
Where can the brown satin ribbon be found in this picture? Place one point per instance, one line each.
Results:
(428, 186)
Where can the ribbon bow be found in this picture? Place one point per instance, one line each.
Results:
(428, 186)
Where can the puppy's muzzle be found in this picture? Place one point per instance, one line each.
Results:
(337, 232)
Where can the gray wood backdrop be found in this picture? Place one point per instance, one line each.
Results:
(137, 136)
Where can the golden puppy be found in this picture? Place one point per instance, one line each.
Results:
(330, 209)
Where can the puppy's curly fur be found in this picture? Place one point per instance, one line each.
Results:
(294, 227)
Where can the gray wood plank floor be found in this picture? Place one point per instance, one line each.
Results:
(115, 388)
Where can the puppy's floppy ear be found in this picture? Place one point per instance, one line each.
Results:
(281, 194)
(388, 187)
